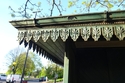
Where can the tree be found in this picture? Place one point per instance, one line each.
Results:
(19, 60)
(37, 60)
(43, 72)
(36, 73)
(18, 56)
(30, 66)
(11, 58)
(78, 6)
(13, 54)
(51, 70)
(60, 71)
(38, 64)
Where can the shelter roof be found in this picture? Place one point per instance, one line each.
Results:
(48, 35)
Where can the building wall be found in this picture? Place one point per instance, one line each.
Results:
(100, 65)
(70, 53)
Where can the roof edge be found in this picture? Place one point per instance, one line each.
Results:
(68, 19)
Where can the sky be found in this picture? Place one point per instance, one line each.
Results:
(8, 34)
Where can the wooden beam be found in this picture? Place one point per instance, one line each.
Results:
(66, 69)
(90, 44)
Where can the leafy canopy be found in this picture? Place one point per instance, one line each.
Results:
(15, 61)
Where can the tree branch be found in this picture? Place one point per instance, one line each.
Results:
(57, 6)
(52, 7)
(24, 8)
(102, 4)
(121, 3)
(90, 5)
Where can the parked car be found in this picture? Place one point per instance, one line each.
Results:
(3, 77)
(43, 79)
(13, 78)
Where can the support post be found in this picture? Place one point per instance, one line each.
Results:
(55, 74)
(24, 64)
(66, 69)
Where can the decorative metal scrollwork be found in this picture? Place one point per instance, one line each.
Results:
(85, 33)
(54, 34)
(28, 36)
(107, 32)
(96, 32)
(119, 32)
(36, 35)
(74, 33)
(21, 35)
(64, 34)
(45, 35)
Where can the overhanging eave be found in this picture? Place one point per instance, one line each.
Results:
(51, 33)
(112, 16)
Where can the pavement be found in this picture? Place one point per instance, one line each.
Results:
(51, 82)
(2, 82)
(34, 82)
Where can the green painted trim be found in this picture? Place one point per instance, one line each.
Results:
(68, 19)
(66, 69)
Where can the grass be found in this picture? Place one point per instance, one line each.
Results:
(57, 80)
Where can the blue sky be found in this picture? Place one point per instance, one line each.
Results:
(8, 34)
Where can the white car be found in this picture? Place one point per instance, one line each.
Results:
(13, 78)
(3, 77)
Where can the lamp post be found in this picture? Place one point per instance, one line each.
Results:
(13, 68)
(56, 75)
(24, 65)
(36, 13)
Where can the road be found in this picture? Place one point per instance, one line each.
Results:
(2, 81)
(33, 81)
(30, 81)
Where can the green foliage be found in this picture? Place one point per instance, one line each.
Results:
(50, 72)
(43, 72)
(106, 0)
(60, 72)
(110, 5)
(39, 4)
(70, 4)
(37, 65)
(120, 0)
(59, 80)
(31, 9)
(36, 73)
(51, 69)
(96, 3)
(36, 59)
(12, 15)
(17, 56)
(19, 60)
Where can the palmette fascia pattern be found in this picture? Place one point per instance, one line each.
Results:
(74, 32)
